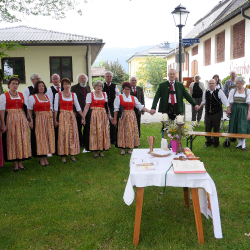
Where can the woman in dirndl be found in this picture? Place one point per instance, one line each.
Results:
(127, 133)
(239, 100)
(96, 124)
(44, 126)
(68, 138)
(14, 125)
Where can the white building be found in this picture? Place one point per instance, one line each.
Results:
(224, 38)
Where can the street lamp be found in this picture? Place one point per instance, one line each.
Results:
(180, 15)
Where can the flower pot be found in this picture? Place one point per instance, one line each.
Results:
(174, 145)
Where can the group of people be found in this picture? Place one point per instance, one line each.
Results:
(63, 118)
(235, 97)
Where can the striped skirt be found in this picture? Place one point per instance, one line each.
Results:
(45, 133)
(128, 135)
(17, 139)
(68, 138)
(99, 138)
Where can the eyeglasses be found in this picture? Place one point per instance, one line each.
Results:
(15, 83)
(38, 79)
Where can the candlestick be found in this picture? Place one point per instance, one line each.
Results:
(180, 119)
(180, 148)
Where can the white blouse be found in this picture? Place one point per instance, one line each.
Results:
(89, 97)
(76, 103)
(231, 96)
(32, 102)
(3, 101)
(138, 105)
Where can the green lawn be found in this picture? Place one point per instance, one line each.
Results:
(80, 205)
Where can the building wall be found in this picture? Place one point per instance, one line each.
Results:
(222, 67)
(37, 61)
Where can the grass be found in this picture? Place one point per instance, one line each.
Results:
(80, 205)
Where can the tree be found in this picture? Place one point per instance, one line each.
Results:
(153, 70)
(119, 73)
(55, 8)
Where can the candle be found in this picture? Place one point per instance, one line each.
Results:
(180, 119)
(165, 117)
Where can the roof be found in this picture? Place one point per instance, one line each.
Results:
(221, 13)
(98, 71)
(23, 34)
(158, 50)
(30, 36)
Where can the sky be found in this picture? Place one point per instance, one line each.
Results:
(124, 23)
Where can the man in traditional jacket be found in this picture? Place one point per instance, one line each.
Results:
(213, 99)
(112, 91)
(81, 89)
(137, 92)
(171, 95)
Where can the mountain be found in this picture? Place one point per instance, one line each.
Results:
(122, 54)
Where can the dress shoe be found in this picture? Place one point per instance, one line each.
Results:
(95, 156)
(206, 146)
(15, 170)
(22, 168)
(238, 146)
(74, 160)
(101, 155)
(47, 164)
(244, 149)
(64, 161)
(216, 146)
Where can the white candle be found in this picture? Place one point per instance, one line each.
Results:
(165, 117)
(180, 119)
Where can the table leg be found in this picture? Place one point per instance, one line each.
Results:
(197, 214)
(186, 196)
(138, 212)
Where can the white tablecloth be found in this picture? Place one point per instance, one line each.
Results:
(144, 178)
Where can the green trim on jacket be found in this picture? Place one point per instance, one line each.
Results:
(163, 94)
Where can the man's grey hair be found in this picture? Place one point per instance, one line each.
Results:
(99, 82)
(212, 80)
(239, 79)
(32, 77)
(197, 75)
(172, 69)
(77, 78)
(133, 77)
(55, 75)
(108, 72)
(232, 71)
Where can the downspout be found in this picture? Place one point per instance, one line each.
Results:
(87, 61)
(243, 14)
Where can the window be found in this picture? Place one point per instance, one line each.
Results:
(14, 66)
(208, 52)
(195, 50)
(61, 66)
(220, 46)
(239, 39)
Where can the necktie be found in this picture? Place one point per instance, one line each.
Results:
(134, 91)
(58, 89)
(172, 95)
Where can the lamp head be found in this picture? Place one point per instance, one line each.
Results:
(180, 15)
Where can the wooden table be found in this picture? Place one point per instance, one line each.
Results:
(144, 179)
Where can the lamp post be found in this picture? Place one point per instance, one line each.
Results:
(180, 15)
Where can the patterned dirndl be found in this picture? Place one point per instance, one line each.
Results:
(17, 138)
(68, 138)
(99, 138)
(128, 135)
(45, 133)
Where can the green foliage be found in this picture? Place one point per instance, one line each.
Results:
(100, 64)
(153, 70)
(100, 78)
(227, 78)
(119, 73)
(4, 47)
(11, 9)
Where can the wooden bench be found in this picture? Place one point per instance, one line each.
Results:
(194, 134)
